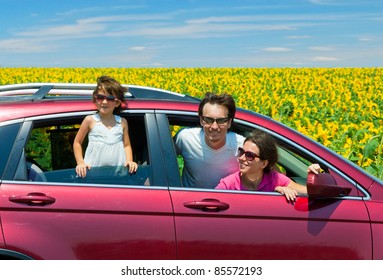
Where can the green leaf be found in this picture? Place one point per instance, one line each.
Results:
(370, 148)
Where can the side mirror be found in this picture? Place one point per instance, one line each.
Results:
(323, 185)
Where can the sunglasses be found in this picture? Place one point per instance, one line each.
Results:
(109, 98)
(209, 120)
(250, 156)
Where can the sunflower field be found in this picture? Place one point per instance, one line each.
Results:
(338, 107)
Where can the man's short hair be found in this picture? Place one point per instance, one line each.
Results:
(223, 99)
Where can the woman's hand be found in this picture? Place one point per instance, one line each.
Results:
(314, 168)
(289, 193)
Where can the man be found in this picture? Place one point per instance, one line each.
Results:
(209, 151)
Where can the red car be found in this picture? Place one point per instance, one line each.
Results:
(46, 212)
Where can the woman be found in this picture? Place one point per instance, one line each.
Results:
(257, 160)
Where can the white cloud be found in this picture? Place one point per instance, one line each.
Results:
(122, 60)
(64, 31)
(138, 48)
(276, 49)
(25, 46)
(321, 49)
(95, 9)
(125, 18)
(298, 37)
(324, 58)
(150, 25)
(365, 39)
(326, 2)
(156, 64)
(222, 19)
(196, 30)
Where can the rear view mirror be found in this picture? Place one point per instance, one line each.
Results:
(323, 185)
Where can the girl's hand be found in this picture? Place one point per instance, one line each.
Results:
(81, 169)
(289, 193)
(132, 166)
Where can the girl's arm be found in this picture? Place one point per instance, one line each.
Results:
(77, 146)
(128, 147)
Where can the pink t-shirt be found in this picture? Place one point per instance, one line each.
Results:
(268, 184)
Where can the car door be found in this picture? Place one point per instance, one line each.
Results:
(244, 225)
(214, 224)
(62, 219)
(8, 134)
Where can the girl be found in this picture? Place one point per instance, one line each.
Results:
(108, 140)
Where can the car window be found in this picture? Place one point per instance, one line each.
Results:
(180, 122)
(293, 160)
(176, 124)
(8, 135)
(48, 155)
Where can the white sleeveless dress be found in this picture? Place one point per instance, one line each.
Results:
(105, 146)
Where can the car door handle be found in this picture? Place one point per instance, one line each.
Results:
(207, 205)
(33, 199)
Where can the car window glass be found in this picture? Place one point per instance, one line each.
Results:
(8, 135)
(293, 161)
(49, 155)
(178, 123)
(296, 160)
(173, 130)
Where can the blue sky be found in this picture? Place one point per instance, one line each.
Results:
(191, 33)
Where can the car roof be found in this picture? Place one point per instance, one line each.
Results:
(57, 91)
(33, 99)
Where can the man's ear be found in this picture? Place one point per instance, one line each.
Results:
(200, 121)
(117, 103)
(229, 123)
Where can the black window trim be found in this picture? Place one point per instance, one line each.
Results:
(288, 142)
(17, 149)
(156, 156)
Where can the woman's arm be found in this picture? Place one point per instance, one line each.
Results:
(293, 189)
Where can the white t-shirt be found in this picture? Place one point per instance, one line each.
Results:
(204, 167)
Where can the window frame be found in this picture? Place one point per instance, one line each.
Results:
(9, 132)
(289, 148)
(26, 128)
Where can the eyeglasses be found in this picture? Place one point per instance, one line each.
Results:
(209, 120)
(250, 156)
(109, 98)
